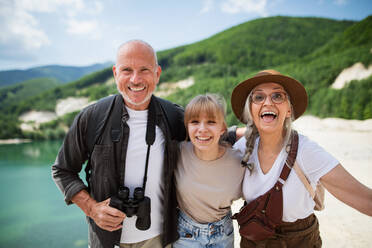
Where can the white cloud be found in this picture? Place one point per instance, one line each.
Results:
(85, 27)
(207, 6)
(89, 28)
(79, 26)
(19, 27)
(248, 6)
(21, 33)
(48, 6)
(96, 8)
(77, 7)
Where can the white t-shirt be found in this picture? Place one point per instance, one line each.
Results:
(135, 171)
(297, 202)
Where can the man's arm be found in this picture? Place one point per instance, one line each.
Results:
(234, 133)
(240, 131)
(70, 159)
(65, 172)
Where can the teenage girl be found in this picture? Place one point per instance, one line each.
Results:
(208, 177)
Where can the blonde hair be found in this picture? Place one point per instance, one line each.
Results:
(251, 132)
(213, 105)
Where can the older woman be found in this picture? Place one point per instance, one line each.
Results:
(268, 103)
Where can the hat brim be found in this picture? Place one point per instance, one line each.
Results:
(295, 90)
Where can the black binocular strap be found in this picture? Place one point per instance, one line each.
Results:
(150, 136)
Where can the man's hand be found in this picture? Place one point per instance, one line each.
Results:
(106, 217)
(240, 131)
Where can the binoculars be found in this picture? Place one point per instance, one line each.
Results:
(139, 205)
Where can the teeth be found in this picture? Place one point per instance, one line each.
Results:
(203, 138)
(136, 88)
(268, 113)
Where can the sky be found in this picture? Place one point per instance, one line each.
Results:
(83, 32)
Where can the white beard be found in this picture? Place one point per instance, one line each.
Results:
(128, 100)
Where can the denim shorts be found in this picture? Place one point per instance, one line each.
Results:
(219, 234)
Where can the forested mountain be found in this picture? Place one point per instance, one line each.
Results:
(18, 92)
(313, 50)
(259, 43)
(62, 74)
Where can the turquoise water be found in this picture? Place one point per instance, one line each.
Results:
(32, 210)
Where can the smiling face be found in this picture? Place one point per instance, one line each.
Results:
(205, 132)
(268, 109)
(205, 123)
(136, 74)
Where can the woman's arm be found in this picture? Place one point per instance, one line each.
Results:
(347, 189)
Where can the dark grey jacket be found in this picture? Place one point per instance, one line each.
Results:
(106, 172)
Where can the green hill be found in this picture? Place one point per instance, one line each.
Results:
(313, 50)
(260, 43)
(18, 92)
(357, 35)
(92, 86)
(254, 45)
(325, 56)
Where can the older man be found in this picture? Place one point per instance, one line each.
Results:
(120, 160)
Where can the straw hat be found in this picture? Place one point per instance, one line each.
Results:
(295, 90)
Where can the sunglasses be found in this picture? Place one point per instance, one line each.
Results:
(276, 97)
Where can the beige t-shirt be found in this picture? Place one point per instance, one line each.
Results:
(206, 189)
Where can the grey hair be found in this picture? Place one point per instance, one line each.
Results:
(251, 132)
(288, 126)
(141, 42)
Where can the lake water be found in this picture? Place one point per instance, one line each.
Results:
(32, 211)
